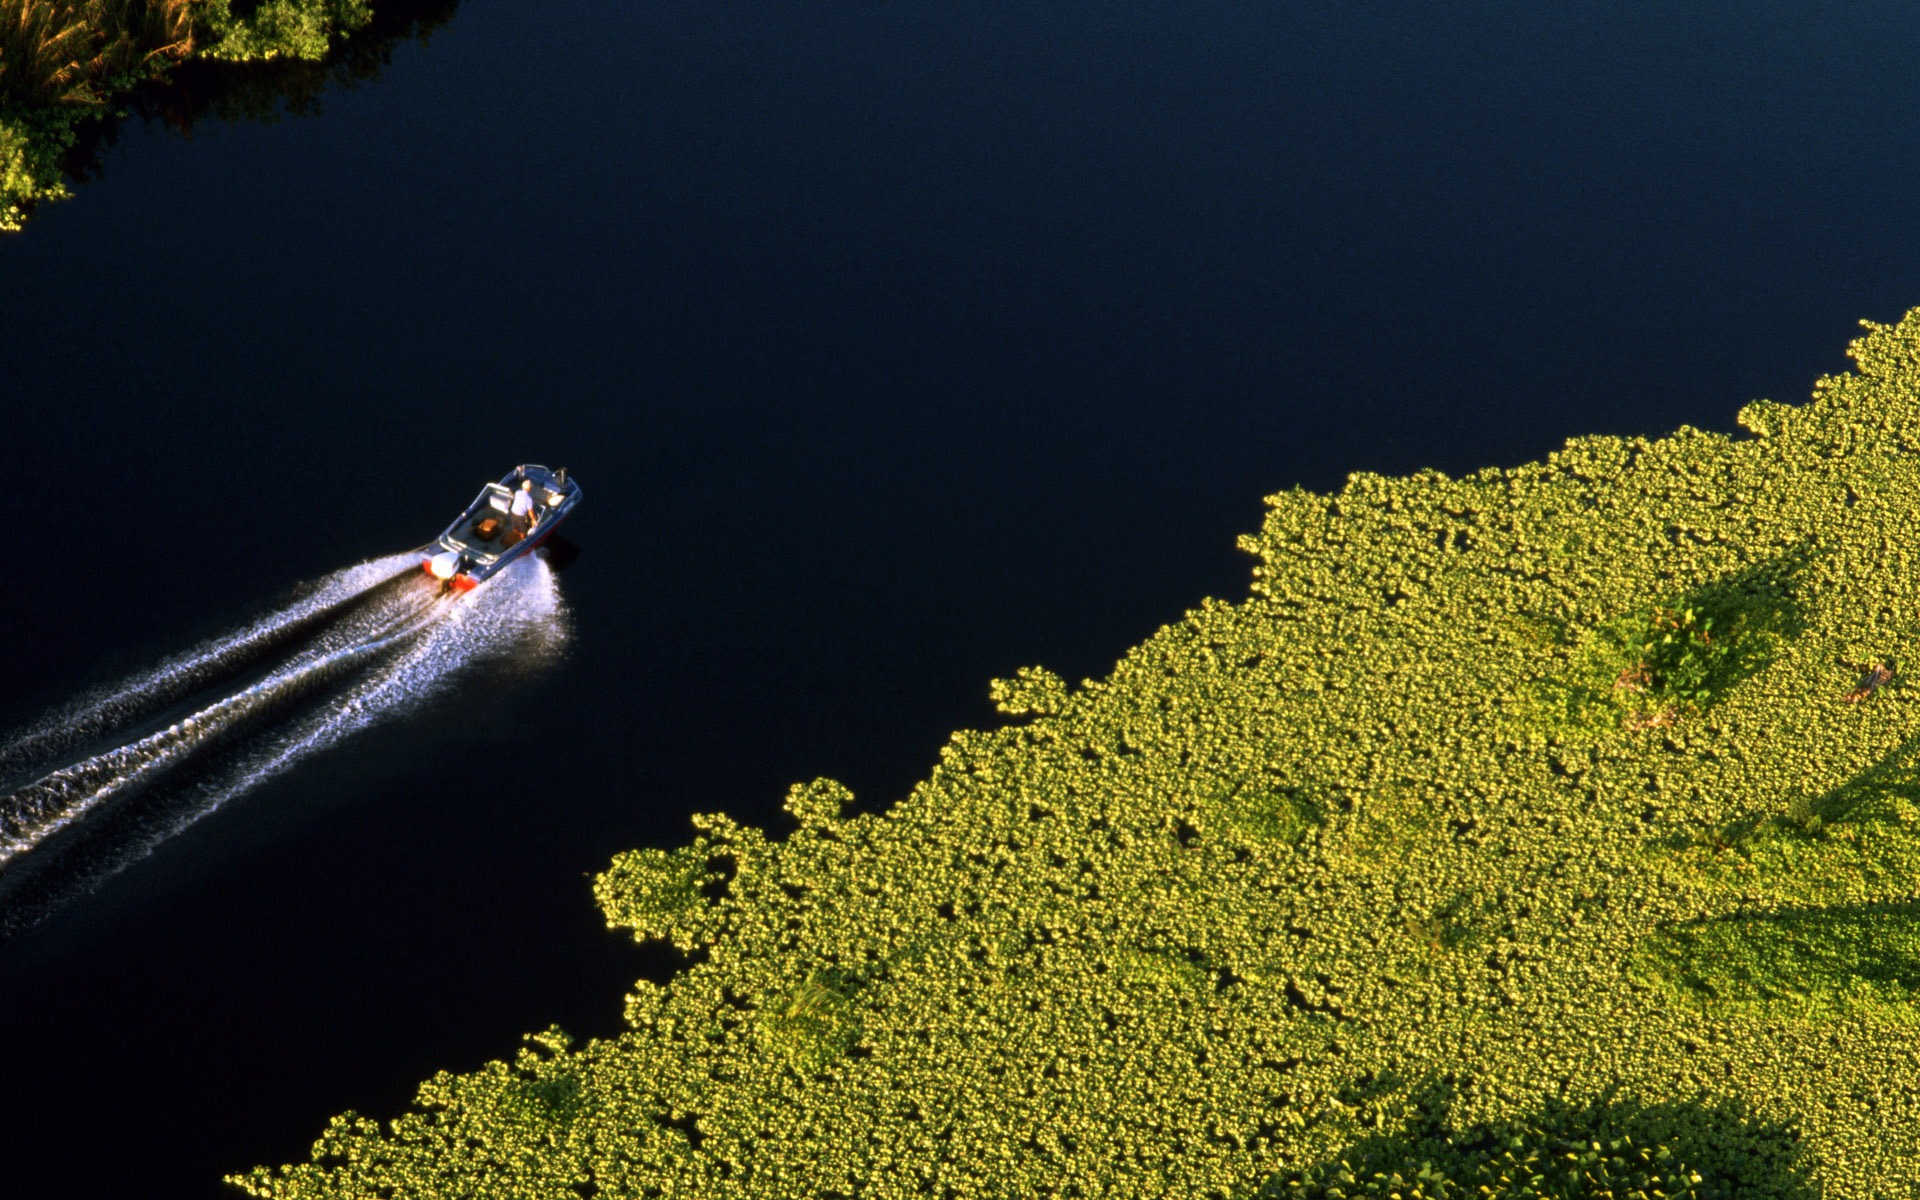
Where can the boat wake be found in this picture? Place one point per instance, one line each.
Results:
(161, 749)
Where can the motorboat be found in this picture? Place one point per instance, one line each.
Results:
(490, 534)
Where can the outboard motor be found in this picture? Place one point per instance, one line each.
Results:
(444, 565)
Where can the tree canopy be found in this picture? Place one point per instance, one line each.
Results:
(67, 62)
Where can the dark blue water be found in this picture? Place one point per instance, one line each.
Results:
(896, 345)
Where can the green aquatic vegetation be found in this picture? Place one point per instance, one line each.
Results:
(1683, 1150)
(811, 1024)
(658, 893)
(1031, 691)
(1342, 881)
(1824, 959)
(1264, 810)
(1672, 659)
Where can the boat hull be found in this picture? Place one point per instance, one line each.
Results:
(487, 538)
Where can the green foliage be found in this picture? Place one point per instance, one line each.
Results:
(818, 803)
(813, 1023)
(32, 142)
(1599, 1151)
(1819, 960)
(74, 52)
(1262, 810)
(658, 894)
(305, 29)
(20, 184)
(1209, 926)
(1672, 659)
(63, 62)
(1677, 656)
(1031, 691)
(554, 1100)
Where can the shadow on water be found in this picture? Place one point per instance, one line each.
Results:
(205, 89)
(1888, 791)
(1885, 795)
(561, 553)
(1843, 953)
(1604, 1147)
(1753, 611)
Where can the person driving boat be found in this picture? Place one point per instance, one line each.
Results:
(523, 509)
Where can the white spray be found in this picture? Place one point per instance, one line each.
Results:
(406, 648)
(103, 710)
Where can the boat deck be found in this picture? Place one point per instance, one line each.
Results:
(502, 535)
(486, 537)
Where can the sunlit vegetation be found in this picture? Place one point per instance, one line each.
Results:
(1602, 1151)
(70, 51)
(1533, 834)
(64, 62)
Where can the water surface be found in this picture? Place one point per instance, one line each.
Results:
(896, 347)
